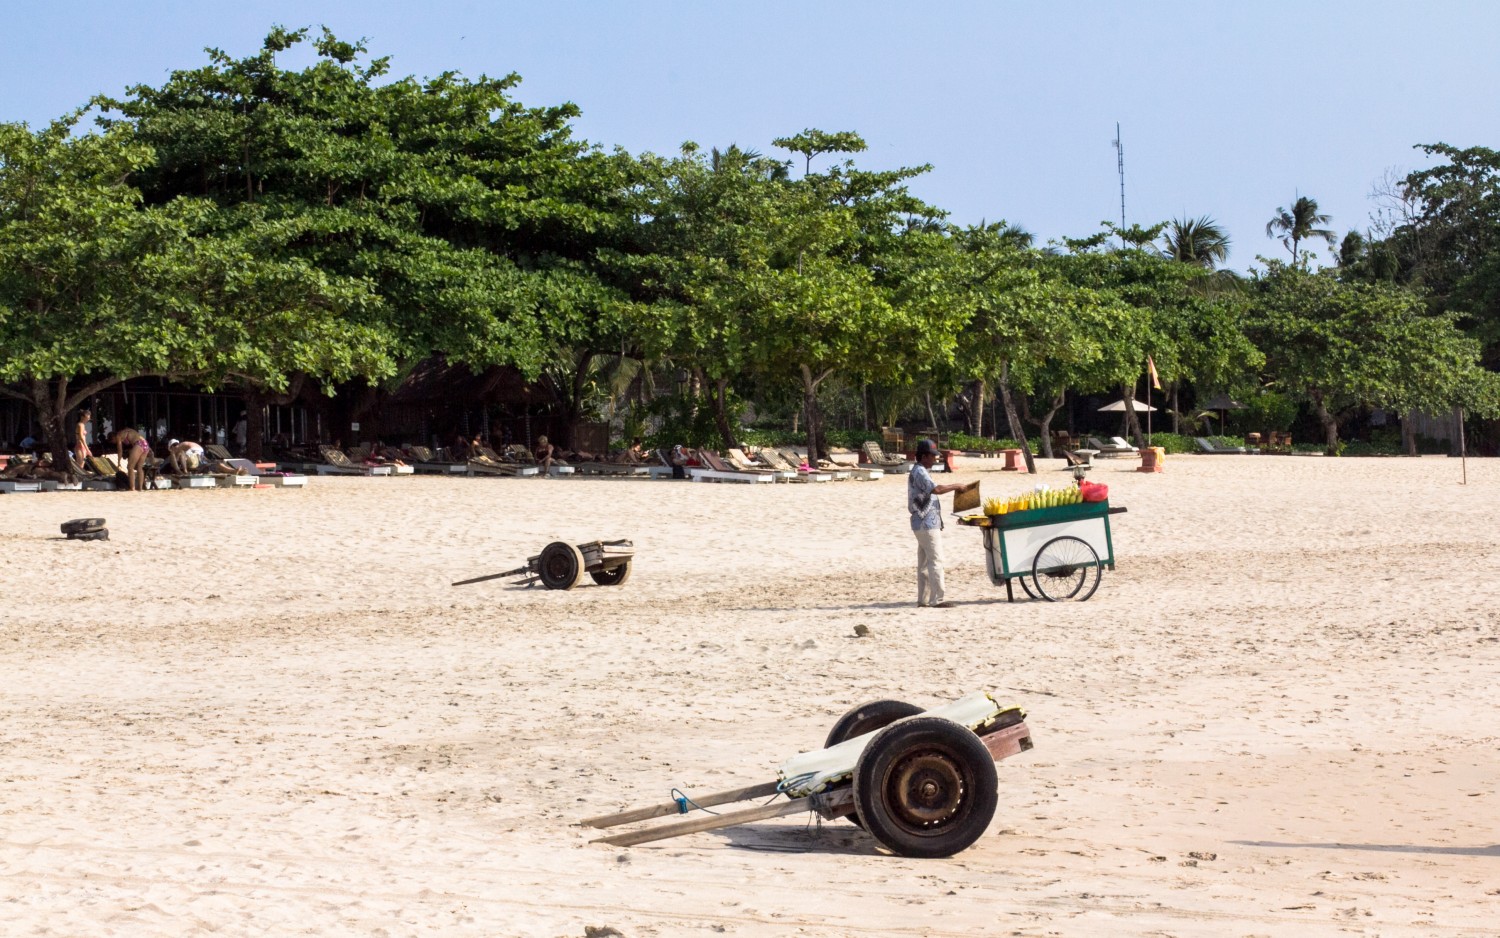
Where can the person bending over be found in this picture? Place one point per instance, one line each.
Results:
(184, 456)
(131, 449)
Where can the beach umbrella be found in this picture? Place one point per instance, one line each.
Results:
(1119, 407)
(1221, 403)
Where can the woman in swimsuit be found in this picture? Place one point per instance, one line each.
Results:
(135, 461)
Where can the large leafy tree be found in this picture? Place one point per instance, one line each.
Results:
(472, 219)
(97, 287)
(1338, 345)
(1299, 223)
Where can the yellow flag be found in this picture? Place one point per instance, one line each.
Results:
(1151, 367)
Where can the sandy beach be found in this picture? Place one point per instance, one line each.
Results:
(268, 713)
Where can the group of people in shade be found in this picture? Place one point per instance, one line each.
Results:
(548, 454)
(133, 451)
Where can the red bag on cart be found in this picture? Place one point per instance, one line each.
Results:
(1093, 491)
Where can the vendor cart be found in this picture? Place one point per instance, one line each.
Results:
(923, 783)
(1056, 553)
(560, 565)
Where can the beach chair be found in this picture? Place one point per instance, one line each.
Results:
(337, 463)
(792, 470)
(260, 475)
(849, 462)
(487, 462)
(425, 461)
(1208, 446)
(714, 469)
(876, 458)
(1113, 449)
(526, 457)
(739, 459)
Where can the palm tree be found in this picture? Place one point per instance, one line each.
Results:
(1299, 224)
(1196, 241)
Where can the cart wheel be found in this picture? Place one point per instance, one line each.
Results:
(560, 566)
(1027, 587)
(80, 525)
(925, 787)
(1066, 568)
(612, 577)
(867, 718)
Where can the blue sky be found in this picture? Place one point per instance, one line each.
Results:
(1227, 109)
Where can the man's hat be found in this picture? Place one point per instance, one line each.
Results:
(926, 448)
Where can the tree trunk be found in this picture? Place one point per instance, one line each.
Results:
(721, 413)
(255, 424)
(1409, 433)
(932, 414)
(1016, 429)
(1045, 425)
(1176, 417)
(817, 446)
(53, 402)
(1132, 422)
(1330, 425)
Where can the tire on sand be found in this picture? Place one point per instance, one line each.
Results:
(867, 718)
(612, 577)
(560, 566)
(925, 787)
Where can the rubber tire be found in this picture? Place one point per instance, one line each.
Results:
(959, 768)
(614, 577)
(102, 534)
(1085, 589)
(560, 566)
(80, 525)
(867, 718)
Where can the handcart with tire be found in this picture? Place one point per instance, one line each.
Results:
(1056, 554)
(922, 783)
(561, 566)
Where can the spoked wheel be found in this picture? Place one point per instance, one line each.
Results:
(613, 576)
(560, 566)
(1027, 587)
(867, 718)
(1066, 569)
(925, 787)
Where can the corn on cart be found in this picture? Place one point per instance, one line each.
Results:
(1056, 553)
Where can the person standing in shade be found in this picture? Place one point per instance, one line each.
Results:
(241, 433)
(81, 451)
(927, 524)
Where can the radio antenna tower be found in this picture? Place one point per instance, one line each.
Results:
(1120, 164)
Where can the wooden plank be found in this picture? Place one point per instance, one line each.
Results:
(491, 576)
(763, 790)
(1011, 741)
(711, 822)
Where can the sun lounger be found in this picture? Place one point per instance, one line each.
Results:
(876, 458)
(525, 457)
(792, 470)
(424, 460)
(850, 461)
(739, 459)
(337, 463)
(1208, 446)
(1113, 449)
(486, 462)
(715, 469)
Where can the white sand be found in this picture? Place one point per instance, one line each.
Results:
(267, 712)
